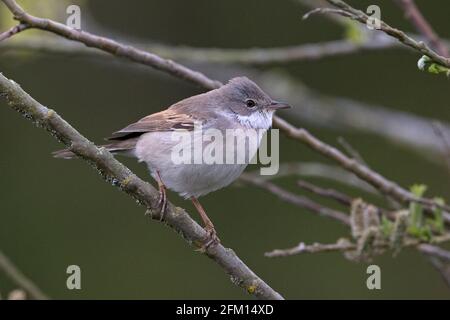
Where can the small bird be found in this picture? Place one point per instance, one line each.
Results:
(240, 104)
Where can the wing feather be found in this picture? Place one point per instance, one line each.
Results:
(167, 120)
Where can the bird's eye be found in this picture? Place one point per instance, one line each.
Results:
(250, 103)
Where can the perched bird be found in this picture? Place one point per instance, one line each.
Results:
(239, 105)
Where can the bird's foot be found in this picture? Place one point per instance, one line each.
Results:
(211, 239)
(162, 199)
(162, 202)
(160, 209)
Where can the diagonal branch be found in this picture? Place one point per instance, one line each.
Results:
(348, 11)
(20, 279)
(295, 199)
(413, 13)
(13, 30)
(111, 47)
(115, 172)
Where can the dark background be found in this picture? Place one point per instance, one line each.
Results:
(56, 213)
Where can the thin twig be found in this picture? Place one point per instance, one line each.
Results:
(345, 246)
(116, 173)
(295, 199)
(318, 170)
(12, 31)
(326, 10)
(351, 151)
(20, 279)
(421, 24)
(329, 193)
(401, 36)
(314, 248)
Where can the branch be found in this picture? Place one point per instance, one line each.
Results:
(318, 170)
(12, 31)
(329, 193)
(421, 24)
(20, 279)
(357, 15)
(115, 172)
(351, 151)
(345, 245)
(385, 186)
(314, 248)
(295, 199)
(111, 47)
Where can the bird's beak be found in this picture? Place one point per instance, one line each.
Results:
(275, 105)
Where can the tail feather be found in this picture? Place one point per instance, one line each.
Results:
(124, 146)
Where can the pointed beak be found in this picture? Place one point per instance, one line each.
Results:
(275, 105)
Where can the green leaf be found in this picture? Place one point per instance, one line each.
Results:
(416, 209)
(427, 64)
(418, 189)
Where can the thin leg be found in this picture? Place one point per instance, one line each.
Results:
(212, 238)
(162, 200)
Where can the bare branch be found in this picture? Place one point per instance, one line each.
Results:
(351, 151)
(393, 32)
(20, 279)
(314, 248)
(318, 170)
(111, 47)
(421, 24)
(329, 193)
(345, 245)
(12, 31)
(295, 199)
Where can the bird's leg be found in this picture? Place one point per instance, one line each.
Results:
(211, 238)
(162, 200)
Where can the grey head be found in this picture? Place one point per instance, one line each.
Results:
(245, 97)
(243, 100)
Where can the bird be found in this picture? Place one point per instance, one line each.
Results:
(240, 104)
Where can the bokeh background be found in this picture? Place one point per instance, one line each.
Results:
(56, 213)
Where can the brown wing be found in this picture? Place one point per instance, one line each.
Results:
(166, 120)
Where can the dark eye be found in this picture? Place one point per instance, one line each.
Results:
(250, 103)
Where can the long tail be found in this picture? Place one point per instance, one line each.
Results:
(117, 147)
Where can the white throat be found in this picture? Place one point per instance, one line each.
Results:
(257, 120)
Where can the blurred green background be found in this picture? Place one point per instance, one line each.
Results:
(56, 213)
